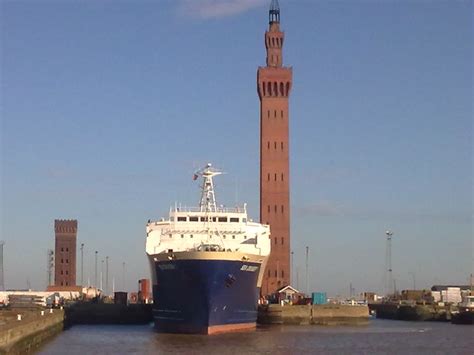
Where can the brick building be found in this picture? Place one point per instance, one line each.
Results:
(65, 252)
(274, 84)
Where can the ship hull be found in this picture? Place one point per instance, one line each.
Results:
(205, 296)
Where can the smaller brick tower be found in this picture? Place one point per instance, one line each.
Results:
(65, 252)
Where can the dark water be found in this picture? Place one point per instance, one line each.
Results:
(379, 337)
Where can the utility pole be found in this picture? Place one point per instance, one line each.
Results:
(2, 278)
(50, 265)
(106, 275)
(95, 275)
(291, 271)
(388, 261)
(82, 264)
(123, 276)
(307, 276)
(102, 274)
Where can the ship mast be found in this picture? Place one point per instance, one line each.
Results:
(208, 197)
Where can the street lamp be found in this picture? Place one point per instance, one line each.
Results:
(82, 264)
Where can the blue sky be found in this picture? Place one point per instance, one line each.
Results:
(107, 108)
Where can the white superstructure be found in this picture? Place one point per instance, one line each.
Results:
(225, 232)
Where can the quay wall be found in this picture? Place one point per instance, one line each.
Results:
(313, 314)
(20, 336)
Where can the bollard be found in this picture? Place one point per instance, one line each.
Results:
(50, 310)
(42, 313)
(18, 316)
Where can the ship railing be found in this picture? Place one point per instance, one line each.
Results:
(220, 209)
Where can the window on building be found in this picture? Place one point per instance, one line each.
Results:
(275, 177)
(276, 241)
(203, 219)
(191, 236)
(275, 145)
(62, 261)
(233, 237)
(282, 209)
(67, 272)
(281, 145)
(275, 208)
(182, 236)
(281, 113)
(67, 261)
(282, 177)
(194, 219)
(234, 219)
(62, 249)
(67, 284)
(214, 219)
(281, 240)
(171, 235)
(222, 219)
(268, 177)
(181, 219)
(67, 249)
(275, 113)
(61, 272)
(61, 283)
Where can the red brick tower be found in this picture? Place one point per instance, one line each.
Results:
(274, 84)
(65, 252)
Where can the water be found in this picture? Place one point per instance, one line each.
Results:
(379, 337)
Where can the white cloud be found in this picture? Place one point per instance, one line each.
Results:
(207, 9)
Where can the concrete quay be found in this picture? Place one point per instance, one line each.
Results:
(327, 314)
(413, 312)
(108, 313)
(27, 334)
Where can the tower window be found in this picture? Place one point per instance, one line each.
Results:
(269, 90)
(275, 113)
(281, 113)
(268, 176)
(62, 261)
(281, 240)
(61, 272)
(282, 209)
(282, 89)
(67, 283)
(67, 249)
(276, 241)
(275, 145)
(275, 177)
(281, 176)
(264, 89)
(281, 145)
(275, 90)
(268, 208)
(268, 145)
(268, 113)
(62, 249)
(67, 272)
(287, 88)
(275, 208)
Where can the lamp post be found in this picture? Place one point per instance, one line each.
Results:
(82, 264)
(95, 275)
(106, 275)
(307, 282)
(390, 282)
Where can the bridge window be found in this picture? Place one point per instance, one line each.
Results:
(222, 219)
(191, 236)
(234, 220)
(203, 219)
(181, 219)
(182, 236)
(233, 237)
(194, 219)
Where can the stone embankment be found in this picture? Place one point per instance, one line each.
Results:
(21, 336)
(328, 314)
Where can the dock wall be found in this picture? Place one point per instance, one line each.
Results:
(313, 314)
(20, 336)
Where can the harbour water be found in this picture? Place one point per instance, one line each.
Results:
(379, 337)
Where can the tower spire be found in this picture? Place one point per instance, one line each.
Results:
(274, 13)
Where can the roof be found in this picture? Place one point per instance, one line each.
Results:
(288, 287)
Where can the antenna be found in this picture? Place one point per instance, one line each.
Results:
(50, 265)
(2, 280)
(388, 263)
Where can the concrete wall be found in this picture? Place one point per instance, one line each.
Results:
(315, 314)
(21, 336)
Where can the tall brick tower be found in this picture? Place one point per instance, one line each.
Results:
(65, 252)
(274, 84)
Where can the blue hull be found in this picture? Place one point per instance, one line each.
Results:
(205, 296)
